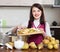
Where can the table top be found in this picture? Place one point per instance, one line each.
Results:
(29, 50)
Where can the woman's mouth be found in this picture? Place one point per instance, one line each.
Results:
(36, 15)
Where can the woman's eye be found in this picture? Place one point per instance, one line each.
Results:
(38, 10)
(33, 11)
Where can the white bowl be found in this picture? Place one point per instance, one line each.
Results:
(18, 44)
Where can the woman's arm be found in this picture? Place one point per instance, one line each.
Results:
(47, 28)
(14, 30)
(21, 26)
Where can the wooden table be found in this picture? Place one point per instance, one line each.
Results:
(29, 50)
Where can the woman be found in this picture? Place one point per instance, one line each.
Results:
(37, 20)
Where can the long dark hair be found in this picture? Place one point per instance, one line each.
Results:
(42, 18)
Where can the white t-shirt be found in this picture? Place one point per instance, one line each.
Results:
(47, 28)
(36, 23)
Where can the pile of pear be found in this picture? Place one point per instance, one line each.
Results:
(48, 42)
(51, 42)
(32, 45)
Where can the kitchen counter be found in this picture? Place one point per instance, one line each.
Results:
(30, 50)
(55, 30)
(54, 26)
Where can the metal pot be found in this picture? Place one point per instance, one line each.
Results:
(3, 38)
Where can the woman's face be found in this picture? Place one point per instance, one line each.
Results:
(36, 13)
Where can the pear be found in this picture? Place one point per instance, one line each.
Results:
(56, 46)
(57, 41)
(47, 37)
(40, 46)
(25, 46)
(33, 45)
(45, 41)
(53, 42)
(52, 38)
(11, 43)
(50, 46)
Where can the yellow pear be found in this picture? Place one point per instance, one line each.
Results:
(32, 45)
(25, 46)
(52, 38)
(56, 46)
(45, 41)
(47, 37)
(57, 41)
(50, 46)
(53, 42)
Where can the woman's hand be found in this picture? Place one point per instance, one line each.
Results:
(14, 30)
(21, 27)
(44, 34)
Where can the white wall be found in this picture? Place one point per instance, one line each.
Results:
(18, 15)
(52, 14)
(14, 15)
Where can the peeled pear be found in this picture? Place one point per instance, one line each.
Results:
(32, 45)
(25, 46)
(40, 46)
(11, 43)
